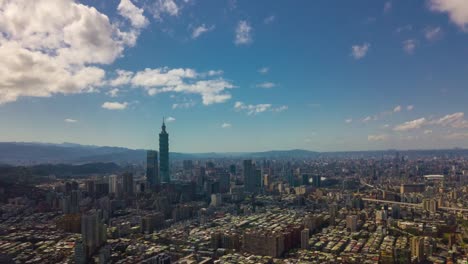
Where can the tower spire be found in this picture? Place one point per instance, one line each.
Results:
(163, 125)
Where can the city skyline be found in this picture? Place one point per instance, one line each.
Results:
(236, 76)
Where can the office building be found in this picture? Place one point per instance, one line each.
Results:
(417, 249)
(305, 234)
(351, 223)
(164, 155)
(317, 181)
(93, 232)
(152, 169)
(127, 183)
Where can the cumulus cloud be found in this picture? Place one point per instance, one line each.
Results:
(409, 46)
(397, 109)
(113, 92)
(226, 125)
(360, 51)
(128, 10)
(164, 7)
(114, 105)
(382, 137)
(266, 85)
(410, 125)
(264, 70)
(258, 108)
(69, 120)
(180, 80)
(349, 121)
(457, 11)
(455, 120)
(198, 31)
(243, 33)
(123, 77)
(170, 119)
(183, 105)
(410, 107)
(55, 47)
(433, 33)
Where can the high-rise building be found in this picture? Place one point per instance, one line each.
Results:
(93, 232)
(305, 238)
(152, 170)
(187, 164)
(351, 223)
(164, 154)
(252, 177)
(317, 181)
(417, 249)
(127, 183)
(113, 184)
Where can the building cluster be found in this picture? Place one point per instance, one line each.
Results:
(387, 209)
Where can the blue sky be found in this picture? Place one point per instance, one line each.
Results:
(232, 75)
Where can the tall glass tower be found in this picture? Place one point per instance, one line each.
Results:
(164, 154)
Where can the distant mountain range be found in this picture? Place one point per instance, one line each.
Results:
(26, 153)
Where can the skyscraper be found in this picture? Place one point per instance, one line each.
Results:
(152, 170)
(127, 183)
(164, 154)
(252, 177)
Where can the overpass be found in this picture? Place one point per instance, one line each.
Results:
(463, 210)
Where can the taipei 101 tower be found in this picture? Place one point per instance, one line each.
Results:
(164, 154)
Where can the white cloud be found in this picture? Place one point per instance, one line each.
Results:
(183, 105)
(367, 119)
(410, 107)
(259, 108)
(215, 73)
(427, 132)
(349, 121)
(123, 77)
(433, 33)
(113, 92)
(266, 85)
(188, 81)
(410, 125)
(243, 33)
(409, 46)
(404, 28)
(164, 7)
(382, 137)
(457, 11)
(55, 47)
(397, 109)
(360, 51)
(280, 108)
(69, 120)
(170, 119)
(198, 31)
(455, 120)
(114, 105)
(128, 10)
(388, 6)
(270, 19)
(226, 125)
(264, 70)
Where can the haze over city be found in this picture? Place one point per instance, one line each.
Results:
(236, 75)
(233, 131)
